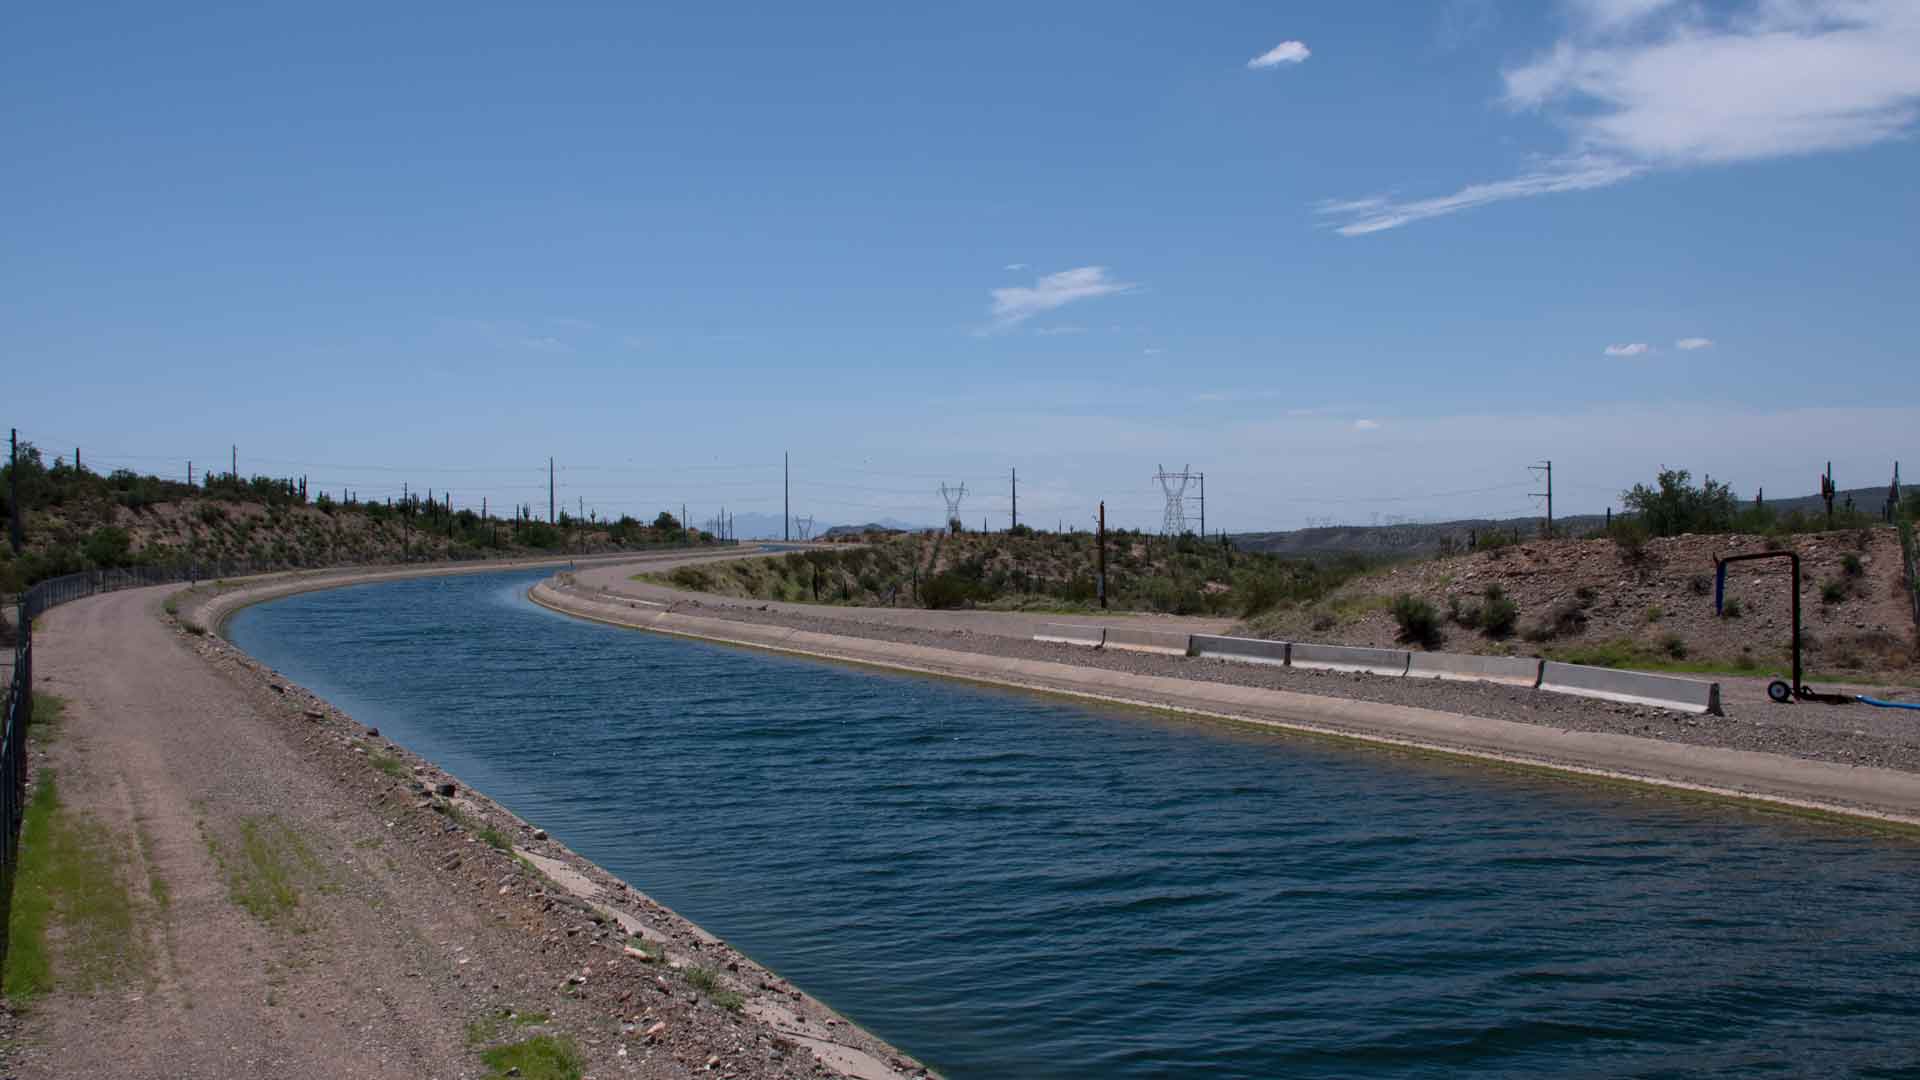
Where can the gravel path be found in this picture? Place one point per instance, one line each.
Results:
(310, 900)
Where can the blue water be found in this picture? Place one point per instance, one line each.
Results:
(1012, 886)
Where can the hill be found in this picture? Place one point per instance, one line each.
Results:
(1651, 606)
(74, 519)
(1028, 571)
(1801, 514)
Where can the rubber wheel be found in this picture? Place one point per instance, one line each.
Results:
(1780, 692)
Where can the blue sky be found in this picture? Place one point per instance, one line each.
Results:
(1347, 258)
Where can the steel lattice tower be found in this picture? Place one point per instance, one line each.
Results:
(1174, 484)
(953, 497)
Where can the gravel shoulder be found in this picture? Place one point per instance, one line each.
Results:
(310, 899)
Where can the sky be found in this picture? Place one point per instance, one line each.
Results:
(1354, 261)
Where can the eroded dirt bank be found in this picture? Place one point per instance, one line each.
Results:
(305, 898)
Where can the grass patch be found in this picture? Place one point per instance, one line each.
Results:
(494, 839)
(272, 864)
(707, 981)
(68, 888)
(543, 1057)
(388, 764)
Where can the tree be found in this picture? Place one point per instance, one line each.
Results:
(1676, 506)
(666, 522)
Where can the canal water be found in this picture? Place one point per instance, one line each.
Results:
(1012, 886)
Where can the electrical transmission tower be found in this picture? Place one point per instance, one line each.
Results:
(953, 496)
(1174, 484)
(803, 526)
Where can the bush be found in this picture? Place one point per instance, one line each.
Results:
(1852, 566)
(947, 590)
(1630, 538)
(109, 545)
(1498, 614)
(1564, 619)
(1833, 592)
(1675, 646)
(1702, 584)
(1731, 609)
(1468, 617)
(1419, 622)
(1676, 506)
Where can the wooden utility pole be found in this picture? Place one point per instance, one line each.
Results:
(236, 464)
(13, 492)
(1014, 518)
(1100, 582)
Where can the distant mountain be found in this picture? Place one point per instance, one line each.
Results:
(768, 526)
(883, 525)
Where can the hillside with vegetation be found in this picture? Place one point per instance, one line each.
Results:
(1027, 570)
(1641, 594)
(74, 519)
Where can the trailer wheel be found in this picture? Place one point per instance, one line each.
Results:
(1779, 691)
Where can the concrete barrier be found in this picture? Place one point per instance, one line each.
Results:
(1511, 670)
(1091, 637)
(1348, 658)
(1633, 687)
(1243, 650)
(1166, 642)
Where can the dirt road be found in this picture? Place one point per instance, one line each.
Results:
(280, 893)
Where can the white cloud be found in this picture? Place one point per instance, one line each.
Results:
(1552, 177)
(545, 344)
(1151, 352)
(1692, 343)
(1638, 348)
(1015, 266)
(1287, 52)
(1366, 425)
(1051, 331)
(1656, 84)
(1016, 305)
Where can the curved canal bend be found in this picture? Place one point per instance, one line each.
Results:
(1008, 885)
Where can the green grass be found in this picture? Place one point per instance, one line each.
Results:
(272, 865)
(543, 1057)
(74, 921)
(388, 764)
(707, 981)
(494, 838)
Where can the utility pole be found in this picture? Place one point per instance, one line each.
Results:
(236, 464)
(1203, 506)
(77, 467)
(1014, 520)
(786, 505)
(550, 515)
(1546, 467)
(13, 493)
(189, 473)
(1100, 580)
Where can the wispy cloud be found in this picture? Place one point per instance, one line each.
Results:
(1563, 174)
(1639, 85)
(1054, 331)
(1638, 348)
(1015, 266)
(1287, 52)
(1366, 425)
(545, 344)
(1692, 343)
(1013, 306)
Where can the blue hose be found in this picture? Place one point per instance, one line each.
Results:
(1865, 700)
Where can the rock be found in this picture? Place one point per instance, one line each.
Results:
(315, 714)
(539, 834)
(373, 732)
(277, 688)
(659, 1028)
(446, 788)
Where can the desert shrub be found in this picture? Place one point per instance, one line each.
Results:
(1498, 613)
(1655, 613)
(1630, 538)
(1731, 609)
(1833, 592)
(1586, 594)
(947, 590)
(1459, 614)
(109, 545)
(691, 577)
(1701, 584)
(1675, 646)
(1419, 622)
(1852, 566)
(1564, 619)
(1674, 505)
(1324, 622)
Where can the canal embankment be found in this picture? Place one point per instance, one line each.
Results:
(1864, 766)
(299, 895)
